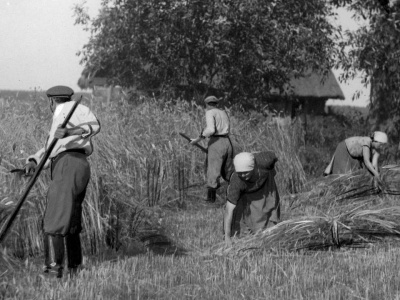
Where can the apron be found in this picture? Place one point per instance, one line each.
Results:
(257, 210)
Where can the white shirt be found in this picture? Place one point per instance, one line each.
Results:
(82, 118)
(58, 110)
(217, 123)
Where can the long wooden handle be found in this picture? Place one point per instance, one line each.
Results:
(8, 223)
(197, 145)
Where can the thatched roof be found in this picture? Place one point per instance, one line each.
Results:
(313, 85)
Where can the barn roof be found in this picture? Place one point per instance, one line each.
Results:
(313, 85)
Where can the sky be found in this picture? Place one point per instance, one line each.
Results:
(39, 42)
(348, 23)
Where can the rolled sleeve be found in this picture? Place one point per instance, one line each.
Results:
(90, 124)
(88, 131)
(37, 157)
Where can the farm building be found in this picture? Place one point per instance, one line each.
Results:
(99, 84)
(307, 94)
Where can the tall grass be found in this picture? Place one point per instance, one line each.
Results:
(146, 185)
(140, 162)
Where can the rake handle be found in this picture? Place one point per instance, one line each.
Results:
(8, 223)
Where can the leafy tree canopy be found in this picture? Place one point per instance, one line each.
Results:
(242, 47)
(375, 51)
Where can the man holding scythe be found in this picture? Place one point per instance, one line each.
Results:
(70, 174)
(220, 150)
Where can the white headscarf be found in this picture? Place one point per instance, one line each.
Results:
(380, 137)
(244, 162)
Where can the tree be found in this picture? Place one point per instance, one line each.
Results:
(242, 47)
(375, 51)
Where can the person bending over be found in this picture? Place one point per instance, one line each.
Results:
(252, 195)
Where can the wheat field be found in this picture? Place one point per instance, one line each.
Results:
(147, 234)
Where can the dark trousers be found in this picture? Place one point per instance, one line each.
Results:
(62, 222)
(54, 250)
(70, 174)
(219, 161)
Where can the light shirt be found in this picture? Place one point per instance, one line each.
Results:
(58, 110)
(217, 123)
(356, 144)
(82, 118)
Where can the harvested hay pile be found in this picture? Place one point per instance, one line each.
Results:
(334, 212)
(339, 190)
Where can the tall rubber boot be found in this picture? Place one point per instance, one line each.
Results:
(54, 255)
(74, 253)
(211, 195)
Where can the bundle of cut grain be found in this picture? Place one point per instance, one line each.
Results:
(359, 226)
(352, 187)
(339, 211)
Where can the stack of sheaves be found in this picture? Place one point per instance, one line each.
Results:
(333, 212)
(357, 184)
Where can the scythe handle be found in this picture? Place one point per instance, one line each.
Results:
(8, 223)
(197, 145)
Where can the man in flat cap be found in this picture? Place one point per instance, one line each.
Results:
(70, 174)
(252, 196)
(220, 150)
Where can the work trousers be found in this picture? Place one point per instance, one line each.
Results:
(62, 222)
(219, 161)
(70, 173)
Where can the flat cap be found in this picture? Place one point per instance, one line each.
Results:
(60, 91)
(211, 99)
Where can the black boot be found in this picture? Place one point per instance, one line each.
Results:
(211, 195)
(74, 253)
(54, 255)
